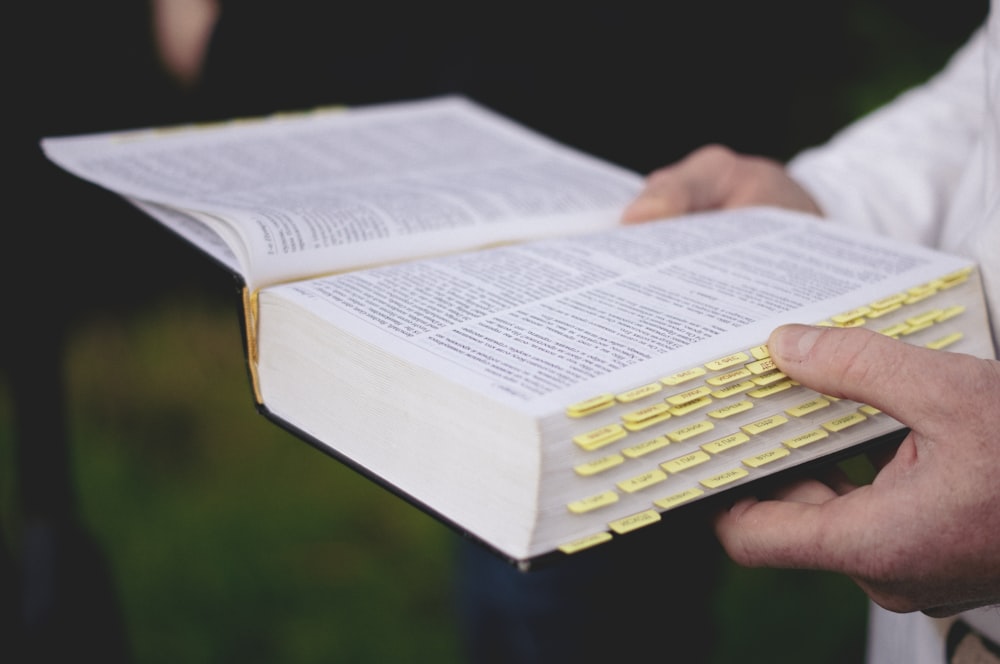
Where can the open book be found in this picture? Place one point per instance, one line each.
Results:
(446, 301)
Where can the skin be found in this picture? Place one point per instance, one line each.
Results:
(925, 533)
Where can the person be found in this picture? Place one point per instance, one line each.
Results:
(923, 538)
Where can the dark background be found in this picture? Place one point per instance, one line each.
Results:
(138, 485)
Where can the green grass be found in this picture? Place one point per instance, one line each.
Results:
(232, 541)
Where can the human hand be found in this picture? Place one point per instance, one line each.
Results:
(715, 177)
(925, 534)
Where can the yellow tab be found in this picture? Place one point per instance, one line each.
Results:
(760, 352)
(691, 406)
(945, 341)
(676, 499)
(683, 376)
(591, 405)
(869, 410)
(646, 413)
(639, 393)
(891, 302)
(766, 424)
(690, 431)
(722, 479)
(924, 318)
(645, 424)
(726, 362)
(895, 330)
(685, 397)
(599, 465)
(725, 443)
(768, 390)
(854, 322)
(920, 293)
(730, 390)
(728, 377)
(731, 409)
(949, 313)
(885, 311)
(684, 462)
(911, 329)
(768, 378)
(762, 366)
(643, 481)
(584, 542)
(591, 503)
(848, 316)
(953, 279)
(767, 457)
(810, 406)
(844, 421)
(644, 448)
(805, 439)
(630, 523)
(600, 437)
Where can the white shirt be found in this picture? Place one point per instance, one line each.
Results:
(925, 167)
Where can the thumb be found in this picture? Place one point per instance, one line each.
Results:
(862, 365)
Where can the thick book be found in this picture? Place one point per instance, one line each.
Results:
(447, 301)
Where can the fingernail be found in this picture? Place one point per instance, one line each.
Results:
(793, 342)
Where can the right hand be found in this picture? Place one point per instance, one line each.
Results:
(714, 177)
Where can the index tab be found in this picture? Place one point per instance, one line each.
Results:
(606, 435)
(727, 361)
(639, 392)
(585, 542)
(591, 405)
(683, 376)
(630, 523)
(591, 503)
(760, 352)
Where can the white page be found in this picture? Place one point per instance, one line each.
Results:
(322, 192)
(546, 324)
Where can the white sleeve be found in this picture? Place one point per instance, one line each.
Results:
(896, 169)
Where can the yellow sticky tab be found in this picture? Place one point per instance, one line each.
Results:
(688, 396)
(683, 376)
(807, 407)
(841, 423)
(950, 312)
(685, 462)
(768, 378)
(766, 424)
(728, 377)
(890, 302)
(762, 366)
(634, 522)
(869, 410)
(885, 311)
(924, 318)
(807, 438)
(895, 330)
(945, 341)
(690, 406)
(598, 438)
(591, 405)
(767, 457)
(585, 542)
(726, 442)
(639, 393)
(724, 363)
(679, 498)
(654, 411)
(920, 293)
(953, 279)
(730, 390)
(690, 431)
(730, 410)
(599, 465)
(727, 477)
(645, 424)
(848, 316)
(760, 352)
(854, 322)
(768, 390)
(591, 503)
(640, 482)
(912, 329)
(645, 447)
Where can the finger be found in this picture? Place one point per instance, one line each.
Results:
(809, 491)
(913, 384)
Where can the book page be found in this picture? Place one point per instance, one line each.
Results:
(547, 323)
(322, 192)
